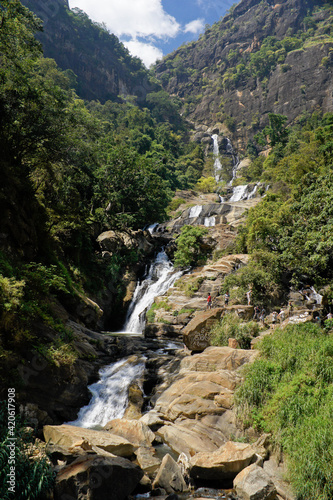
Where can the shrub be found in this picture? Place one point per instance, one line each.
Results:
(231, 326)
(288, 391)
(33, 474)
(190, 251)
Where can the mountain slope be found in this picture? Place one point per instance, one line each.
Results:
(263, 57)
(103, 66)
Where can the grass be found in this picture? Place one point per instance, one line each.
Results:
(288, 391)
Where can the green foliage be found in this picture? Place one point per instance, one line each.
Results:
(34, 478)
(262, 274)
(190, 251)
(288, 391)
(231, 326)
(206, 185)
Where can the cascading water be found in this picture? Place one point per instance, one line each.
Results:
(195, 211)
(110, 394)
(210, 221)
(161, 277)
(217, 163)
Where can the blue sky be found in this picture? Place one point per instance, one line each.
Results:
(153, 28)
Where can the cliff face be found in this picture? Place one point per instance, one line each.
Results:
(261, 58)
(102, 65)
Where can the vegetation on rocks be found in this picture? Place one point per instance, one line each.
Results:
(288, 392)
(33, 475)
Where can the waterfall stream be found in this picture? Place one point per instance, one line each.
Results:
(110, 394)
(160, 278)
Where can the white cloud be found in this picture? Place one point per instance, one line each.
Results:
(194, 26)
(147, 52)
(131, 17)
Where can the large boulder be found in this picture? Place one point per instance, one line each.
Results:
(69, 436)
(253, 483)
(169, 476)
(97, 478)
(191, 436)
(196, 334)
(135, 431)
(197, 394)
(222, 464)
(218, 358)
(147, 460)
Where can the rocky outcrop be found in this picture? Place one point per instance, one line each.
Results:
(170, 477)
(253, 483)
(69, 436)
(135, 431)
(300, 83)
(222, 464)
(194, 414)
(196, 334)
(97, 478)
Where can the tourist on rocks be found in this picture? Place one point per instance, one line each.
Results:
(226, 299)
(282, 315)
(262, 316)
(256, 315)
(274, 318)
(248, 295)
(209, 301)
(290, 308)
(329, 315)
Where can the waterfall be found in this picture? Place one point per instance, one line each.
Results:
(195, 211)
(110, 394)
(217, 163)
(239, 193)
(160, 278)
(235, 160)
(209, 221)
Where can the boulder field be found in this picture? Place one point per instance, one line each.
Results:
(193, 418)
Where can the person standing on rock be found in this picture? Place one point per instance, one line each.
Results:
(226, 299)
(274, 318)
(256, 315)
(209, 301)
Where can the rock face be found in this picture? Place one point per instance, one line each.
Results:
(97, 478)
(136, 432)
(253, 483)
(169, 476)
(69, 436)
(222, 464)
(194, 414)
(196, 333)
(298, 84)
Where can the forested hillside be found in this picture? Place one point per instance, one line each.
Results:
(263, 57)
(98, 64)
(91, 142)
(69, 171)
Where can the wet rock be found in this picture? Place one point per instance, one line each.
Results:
(253, 483)
(169, 476)
(97, 478)
(222, 464)
(69, 436)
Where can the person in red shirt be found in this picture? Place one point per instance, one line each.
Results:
(209, 302)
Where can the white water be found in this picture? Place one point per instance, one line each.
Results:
(161, 277)
(217, 163)
(152, 227)
(210, 221)
(110, 394)
(195, 211)
(238, 193)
